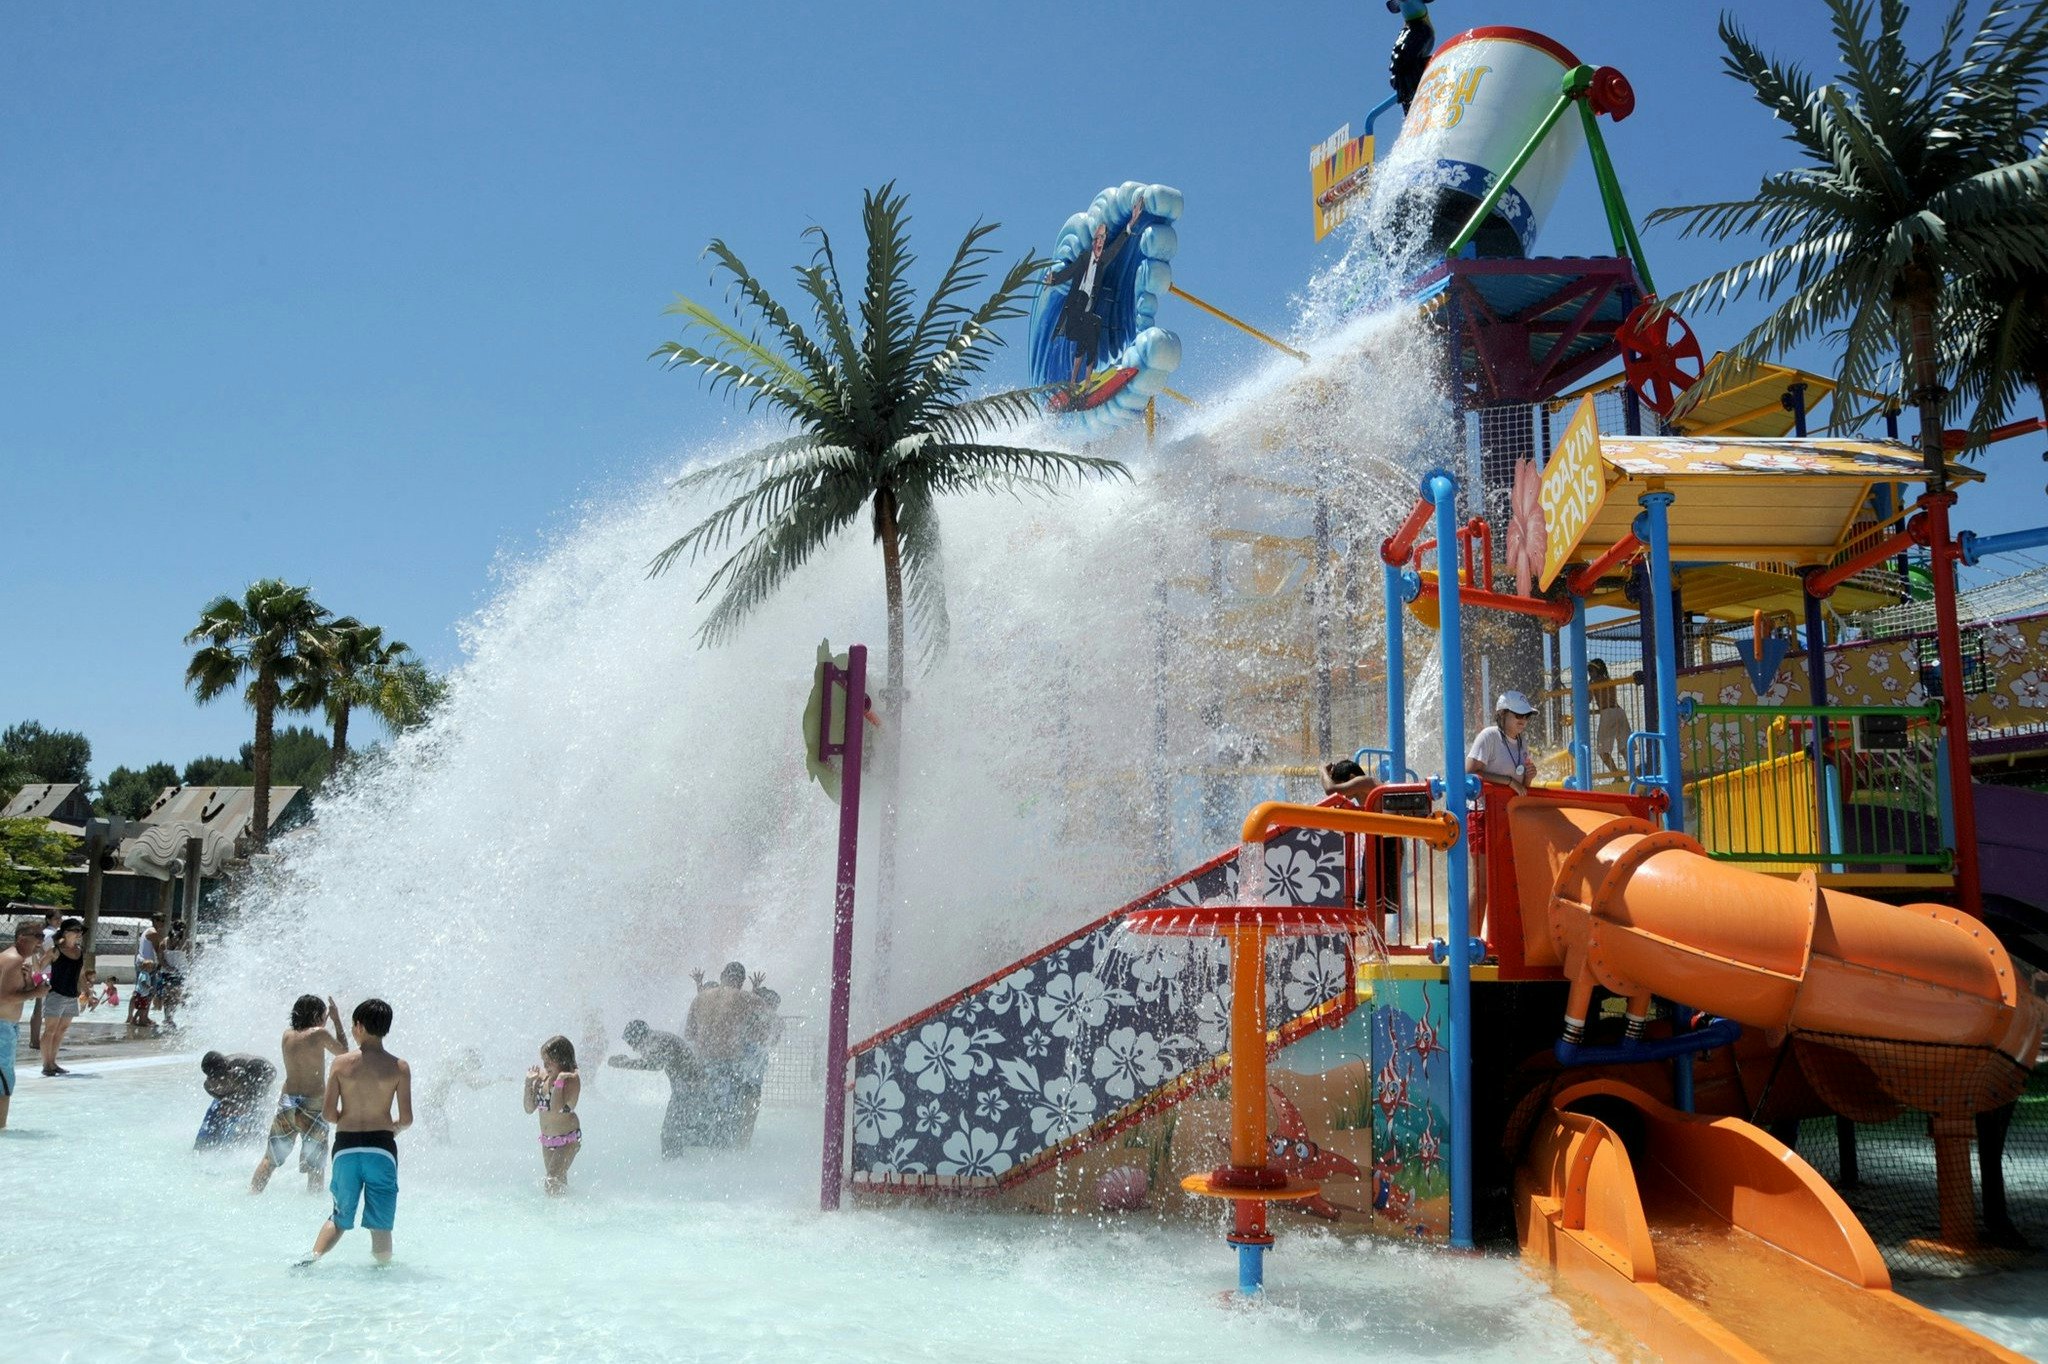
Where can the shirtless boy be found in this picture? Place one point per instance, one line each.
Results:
(18, 986)
(307, 1044)
(369, 1102)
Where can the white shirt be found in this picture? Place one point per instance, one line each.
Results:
(1497, 756)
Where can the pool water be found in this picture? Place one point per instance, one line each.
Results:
(121, 1243)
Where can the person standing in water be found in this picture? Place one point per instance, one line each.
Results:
(729, 1028)
(148, 962)
(369, 1102)
(552, 1089)
(60, 1006)
(306, 1045)
(19, 985)
(665, 1052)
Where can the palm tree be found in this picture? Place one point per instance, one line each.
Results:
(354, 666)
(1914, 174)
(265, 641)
(883, 424)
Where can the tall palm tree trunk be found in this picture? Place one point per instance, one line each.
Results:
(266, 718)
(1920, 300)
(341, 710)
(892, 733)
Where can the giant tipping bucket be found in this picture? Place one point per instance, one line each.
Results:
(1483, 95)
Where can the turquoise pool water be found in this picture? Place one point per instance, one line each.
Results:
(121, 1243)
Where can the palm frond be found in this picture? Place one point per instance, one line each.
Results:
(924, 574)
(769, 557)
(888, 330)
(817, 366)
(760, 505)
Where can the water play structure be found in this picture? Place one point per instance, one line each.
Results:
(1763, 915)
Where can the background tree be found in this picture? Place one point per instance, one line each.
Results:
(48, 755)
(1913, 173)
(14, 774)
(32, 862)
(127, 792)
(355, 667)
(262, 642)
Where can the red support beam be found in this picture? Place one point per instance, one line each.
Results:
(1915, 532)
(1955, 714)
(1396, 548)
(1620, 552)
(1556, 612)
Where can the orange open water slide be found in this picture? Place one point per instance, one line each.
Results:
(1705, 1234)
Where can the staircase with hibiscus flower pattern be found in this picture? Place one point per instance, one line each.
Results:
(1096, 1032)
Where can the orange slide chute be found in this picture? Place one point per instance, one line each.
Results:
(1642, 912)
(1708, 1239)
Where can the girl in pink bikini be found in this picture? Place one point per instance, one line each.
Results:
(552, 1089)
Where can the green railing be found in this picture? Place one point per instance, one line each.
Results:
(1837, 788)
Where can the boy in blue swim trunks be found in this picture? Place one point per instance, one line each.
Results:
(19, 984)
(369, 1102)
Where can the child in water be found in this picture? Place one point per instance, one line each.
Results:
(552, 1089)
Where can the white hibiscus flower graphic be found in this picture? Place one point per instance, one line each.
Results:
(1316, 975)
(974, 1152)
(931, 1117)
(1073, 1002)
(1064, 1107)
(1126, 1060)
(1212, 1021)
(1296, 876)
(938, 1053)
(877, 1109)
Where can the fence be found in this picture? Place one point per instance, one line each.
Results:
(1404, 877)
(796, 1067)
(1840, 788)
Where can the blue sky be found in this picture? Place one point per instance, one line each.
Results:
(361, 295)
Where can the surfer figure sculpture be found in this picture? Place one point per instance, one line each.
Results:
(1079, 322)
(1411, 50)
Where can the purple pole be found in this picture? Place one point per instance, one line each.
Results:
(853, 684)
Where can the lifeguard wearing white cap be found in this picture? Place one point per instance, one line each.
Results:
(1514, 703)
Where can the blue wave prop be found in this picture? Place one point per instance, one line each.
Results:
(1127, 301)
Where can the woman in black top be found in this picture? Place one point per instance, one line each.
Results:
(60, 1006)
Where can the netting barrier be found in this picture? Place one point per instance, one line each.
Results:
(1941, 1151)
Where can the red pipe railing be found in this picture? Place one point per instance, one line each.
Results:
(1556, 612)
(1396, 548)
(1585, 579)
(1823, 582)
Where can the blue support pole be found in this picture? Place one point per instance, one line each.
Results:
(1442, 490)
(1824, 820)
(1653, 528)
(1251, 1270)
(1397, 682)
(1582, 703)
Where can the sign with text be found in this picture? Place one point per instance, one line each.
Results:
(1574, 489)
(1340, 167)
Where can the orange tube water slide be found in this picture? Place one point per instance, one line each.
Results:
(1913, 1006)
(1645, 912)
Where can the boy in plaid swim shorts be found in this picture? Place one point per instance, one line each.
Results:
(300, 1119)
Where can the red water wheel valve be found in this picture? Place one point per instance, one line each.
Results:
(1659, 355)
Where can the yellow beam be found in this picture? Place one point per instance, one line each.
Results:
(1247, 328)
